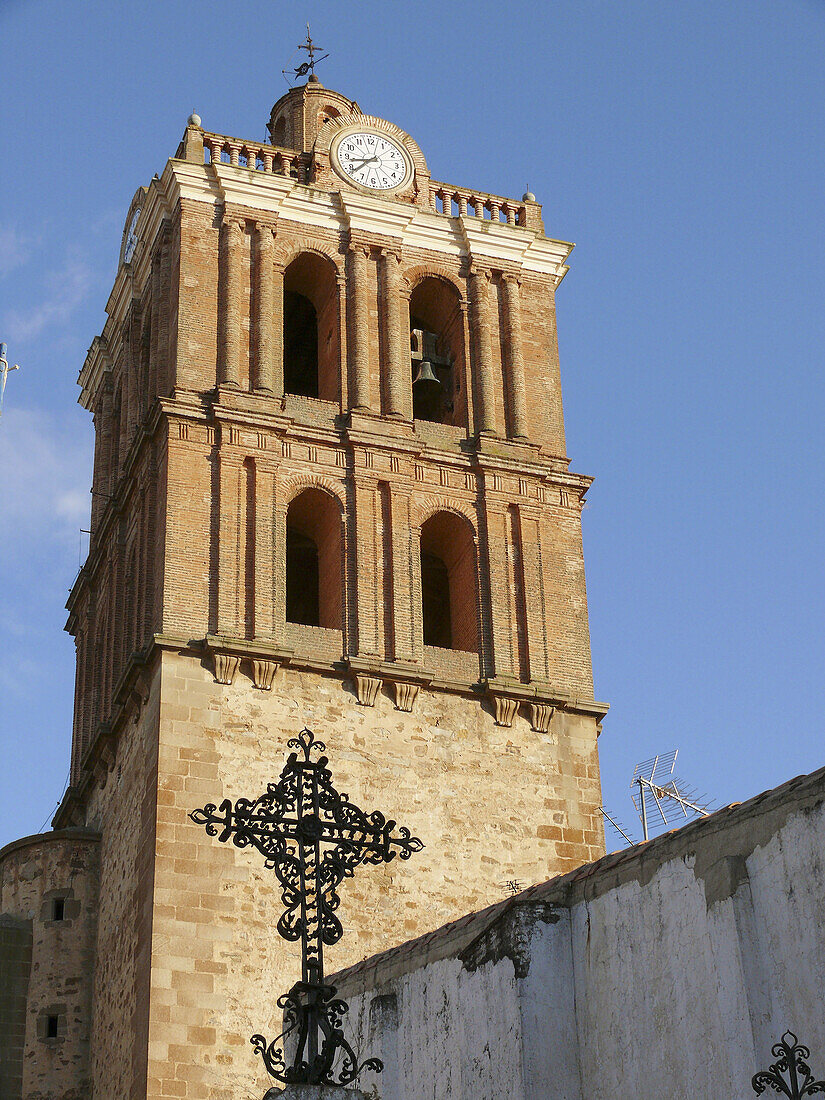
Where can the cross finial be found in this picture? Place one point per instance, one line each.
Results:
(308, 66)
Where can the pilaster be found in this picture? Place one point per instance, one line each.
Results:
(398, 387)
(358, 307)
(514, 361)
(485, 380)
(229, 373)
(268, 321)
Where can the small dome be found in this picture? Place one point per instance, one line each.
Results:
(528, 196)
(194, 120)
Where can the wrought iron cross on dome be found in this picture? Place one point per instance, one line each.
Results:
(313, 838)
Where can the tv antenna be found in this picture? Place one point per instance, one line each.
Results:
(660, 798)
(5, 370)
(611, 819)
(308, 66)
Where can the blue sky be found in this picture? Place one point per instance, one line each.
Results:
(679, 143)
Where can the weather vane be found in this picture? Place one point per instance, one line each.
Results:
(307, 66)
(313, 838)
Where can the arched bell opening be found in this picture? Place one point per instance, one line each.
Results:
(278, 132)
(311, 331)
(313, 560)
(437, 353)
(448, 583)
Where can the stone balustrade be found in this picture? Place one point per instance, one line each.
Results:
(257, 158)
(443, 198)
(457, 201)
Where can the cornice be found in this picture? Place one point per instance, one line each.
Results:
(387, 221)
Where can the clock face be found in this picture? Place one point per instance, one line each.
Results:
(131, 238)
(372, 160)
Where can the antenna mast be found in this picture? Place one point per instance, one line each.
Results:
(658, 793)
(5, 369)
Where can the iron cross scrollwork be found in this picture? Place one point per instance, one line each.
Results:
(313, 838)
(791, 1062)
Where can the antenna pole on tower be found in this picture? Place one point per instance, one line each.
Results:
(640, 781)
(4, 372)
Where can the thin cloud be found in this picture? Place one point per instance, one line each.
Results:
(66, 290)
(44, 490)
(15, 249)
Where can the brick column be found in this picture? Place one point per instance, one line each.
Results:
(484, 378)
(403, 571)
(154, 328)
(279, 513)
(398, 389)
(358, 305)
(131, 388)
(165, 374)
(265, 320)
(368, 597)
(231, 244)
(265, 574)
(501, 591)
(343, 342)
(515, 363)
(535, 603)
(105, 476)
(229, 537)
(278, 330)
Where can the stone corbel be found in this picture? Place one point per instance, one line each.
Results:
(226, 667)
(366, 689)
(541, 715)
(263, 673)
(405, 694)
(505, 709)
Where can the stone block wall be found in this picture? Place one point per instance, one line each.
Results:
(15, 968)
(491, 804)
(49, 887)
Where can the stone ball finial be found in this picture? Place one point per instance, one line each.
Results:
(194, 119)
(528, 196)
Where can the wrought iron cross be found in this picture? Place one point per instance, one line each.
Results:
(791, 1062)
(313, 838)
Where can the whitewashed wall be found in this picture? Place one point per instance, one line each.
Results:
(667, 971)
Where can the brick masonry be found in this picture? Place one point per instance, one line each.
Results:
(190, 679)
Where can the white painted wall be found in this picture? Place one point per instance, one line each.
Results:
(669, 975)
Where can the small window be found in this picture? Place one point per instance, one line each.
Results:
(58, 908)
(51, 1027)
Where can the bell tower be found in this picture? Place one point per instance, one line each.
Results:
(330, 490)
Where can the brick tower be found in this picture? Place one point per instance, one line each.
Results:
(330, 489)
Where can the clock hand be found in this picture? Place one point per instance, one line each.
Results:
(366, 161)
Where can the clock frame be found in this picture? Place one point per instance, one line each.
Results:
(409, 169)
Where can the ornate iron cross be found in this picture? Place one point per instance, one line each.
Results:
(313, 838)
(791, 1062)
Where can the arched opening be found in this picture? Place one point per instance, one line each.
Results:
(313, 560)
(311, 336)
(327, 114)
(278, 132)
(437, 353)
(448, 583)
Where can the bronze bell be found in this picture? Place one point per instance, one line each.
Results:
(425, 374)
